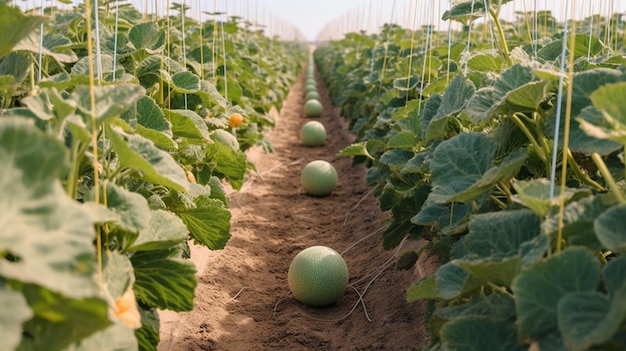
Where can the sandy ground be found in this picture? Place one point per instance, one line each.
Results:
(243, 300)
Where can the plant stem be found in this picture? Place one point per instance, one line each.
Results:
(608, 177)
(505, 47)
(538, 147)
(582, 176)
(73, 177)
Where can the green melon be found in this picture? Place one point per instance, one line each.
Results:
(312, 133)
(309, 87)
(312, 95)
(318, 276)
(313, 108)
(319, 178)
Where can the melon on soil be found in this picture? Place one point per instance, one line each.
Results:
(313, 108)
(319, 178)
(318, 276)
(312, 133)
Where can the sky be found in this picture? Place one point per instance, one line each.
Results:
(310, 16)
(331, 18)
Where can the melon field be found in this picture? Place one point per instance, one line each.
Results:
(426, 175)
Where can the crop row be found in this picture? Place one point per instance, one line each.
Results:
(511, 168)
(115, 154)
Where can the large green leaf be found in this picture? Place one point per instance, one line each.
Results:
(589, 318)
(110, 101)
(535, 195)
(148, 335)
(227, 162)
(164, 231)
(486, 102)
(458, 163)
(479, 334)
(155, 165)
(131, 208)
(15, 311)
(15, 26)
(208, 221)
(452, 102)
(539, 288)
(50, 234)
(48, 104)
(50, 43)
(147, 35)
(150, 122)
(60, 321)
(496, 307)
(164, 280)
(425, 288)
(608, 99)
(610, 228)
(187, 124)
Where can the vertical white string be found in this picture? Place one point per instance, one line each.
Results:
(535, 30)
(559, 103)
(117, 17)
(97, 32)
(469, 35)
(40, 54)
(429, 14)
(182, 15)
(224, 53)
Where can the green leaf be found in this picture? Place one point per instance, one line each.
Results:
(49, 233)
(187, 124)
(589, 318)
(147, 35)
(611, 228)
(500, 272)
(486, 102)
(163, 280)
(535, 194)
(131, 208)
(15, 311)
(452, 281)
(403, 140)
(110, 101)
(539, 288)
(56, 314)
(230, 163)
(510, 166)
(479, 334)
(357, 149)
(453, 101)
(614, 274)
(51, 42)
(164, 231)
(485, 63)
(49, 104)
(148, 334)
(147, 113)
(495, 307)
(208, 222)
(498, 235)
(425, 288)
(15, 65)
(117, 337)
(15, 26)
(448, 217)
(118, 274)
(608, 99)
(185, 82)
(578, 220)
(156, 166)
(458, 163)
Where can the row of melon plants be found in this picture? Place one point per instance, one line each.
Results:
(116, 154)
(459, 143)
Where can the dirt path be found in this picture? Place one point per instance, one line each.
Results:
(243, 301)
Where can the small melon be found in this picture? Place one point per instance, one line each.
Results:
(319, 178)
(318, 276)
(312, 95)
(313, 108)
(312, 133)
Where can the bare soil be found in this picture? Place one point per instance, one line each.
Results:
(243, 301)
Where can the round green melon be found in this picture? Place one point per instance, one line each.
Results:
(312, 133)
(309, 87)
(319, 178)
(313, 108)
(310, 81)
(312, 95)
(318, 276)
